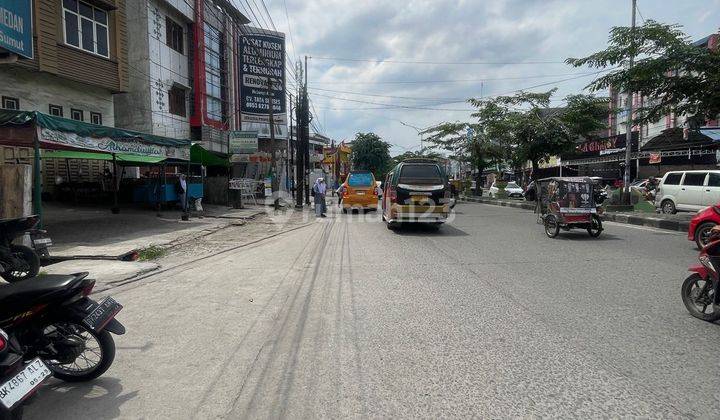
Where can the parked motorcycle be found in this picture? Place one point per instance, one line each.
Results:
(701, 290)
(18, 379)
(19, 262)
(54, 320)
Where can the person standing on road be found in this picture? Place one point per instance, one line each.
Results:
(319, 190)
(340, 191)
(181, 190)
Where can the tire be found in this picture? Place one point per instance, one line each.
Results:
(392, 225)
(552, 227)
(32, 260)
(107, 350)
(691, 302)
(702, 234)
(596, 226)
(668, 207)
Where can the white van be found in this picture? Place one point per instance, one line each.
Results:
(688, 190)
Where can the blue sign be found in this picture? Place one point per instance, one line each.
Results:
(470, 133)
(16, 33)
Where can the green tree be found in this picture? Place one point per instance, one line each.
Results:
(370, 152)
(679, 76)
(475, 149)
(424, 153)
(526, 128)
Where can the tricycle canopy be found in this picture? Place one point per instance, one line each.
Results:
(566, 195)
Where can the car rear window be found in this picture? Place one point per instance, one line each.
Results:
(672, 179)
(420, 174)
(513, 185)
(694, 179)
(360, 179)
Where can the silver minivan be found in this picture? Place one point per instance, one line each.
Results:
(688, 190)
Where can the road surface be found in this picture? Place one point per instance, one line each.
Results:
(486, 317)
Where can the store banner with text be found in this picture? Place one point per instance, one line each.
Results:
(110, 145)
(262, 81)
(243, 142)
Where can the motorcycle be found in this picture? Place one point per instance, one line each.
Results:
(18, 380)
(701, 290)
(19, 262)
(55, 321)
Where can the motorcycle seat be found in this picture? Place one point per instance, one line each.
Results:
(27, 290)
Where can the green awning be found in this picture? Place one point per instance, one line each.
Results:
(121, 157)
(206, 158)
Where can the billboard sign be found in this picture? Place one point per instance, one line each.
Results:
(262, 63)
(16, 33)
(243, 142)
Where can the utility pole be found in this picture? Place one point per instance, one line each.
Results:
(273, 158)
(629, 113)
(300, 152)
(289, 165)
(306, 135)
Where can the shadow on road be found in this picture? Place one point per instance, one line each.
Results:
(98, 399)
(581, 235)
(420, 229)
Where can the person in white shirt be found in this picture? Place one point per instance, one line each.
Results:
(319, 190)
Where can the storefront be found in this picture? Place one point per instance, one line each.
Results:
(92, 161)
(604, 158)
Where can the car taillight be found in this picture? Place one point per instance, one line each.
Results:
(346, 193)
(3, 341)
(88, 288)
(393, 195)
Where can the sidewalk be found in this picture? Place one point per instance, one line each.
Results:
(96, 231)
(678, 222)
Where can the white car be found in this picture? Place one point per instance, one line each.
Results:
(688, 190)
(512, 189)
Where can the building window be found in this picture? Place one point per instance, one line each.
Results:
(77, 114)
(174, 35)
(96, 118)
(10, 103)
(176, 98)
(213, 73)
(56, 110)
(86, 27)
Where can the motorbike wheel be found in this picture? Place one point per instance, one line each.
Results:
(30, 268)
(595, 226)
(552, 227)
(96, 351)
(697, 295)
(702, 234)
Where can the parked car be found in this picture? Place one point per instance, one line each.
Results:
(640, 185)
(360, 192)
(512, 189)
(416, 191)
(701, 223)
(688, 190)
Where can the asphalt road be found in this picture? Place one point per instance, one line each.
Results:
(486, 317)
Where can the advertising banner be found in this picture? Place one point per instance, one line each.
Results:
(16, 34)
(655, 158)
(243, 142)
(109, 145)
(262, 57)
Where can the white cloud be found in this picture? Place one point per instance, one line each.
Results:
(450, 31)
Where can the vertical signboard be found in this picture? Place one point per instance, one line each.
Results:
(16, 33)
(262, 56)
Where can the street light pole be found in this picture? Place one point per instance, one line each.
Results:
(629, 114)
(419, 131)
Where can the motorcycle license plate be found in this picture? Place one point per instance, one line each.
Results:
(42, 241)
(24, 383)
(102, 314)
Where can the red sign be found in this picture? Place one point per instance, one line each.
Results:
(655, 158)
(598, 145)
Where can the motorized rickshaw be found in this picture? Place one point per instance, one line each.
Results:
(568, 203)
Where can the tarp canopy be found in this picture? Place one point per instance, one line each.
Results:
(57, 132)
(120, 157)
(200, 155)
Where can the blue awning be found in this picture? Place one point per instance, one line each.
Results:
(713, 133)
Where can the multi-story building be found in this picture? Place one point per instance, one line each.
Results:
(79, 61)
(181, 65)
(159, 68)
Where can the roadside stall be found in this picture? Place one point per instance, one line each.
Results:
(51, 137)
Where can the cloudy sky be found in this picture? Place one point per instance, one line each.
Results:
(377, 64)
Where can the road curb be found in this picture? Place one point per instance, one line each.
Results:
(649, 221)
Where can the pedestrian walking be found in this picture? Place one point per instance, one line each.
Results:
(319, 190)
(181, 190)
